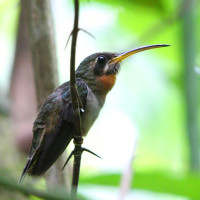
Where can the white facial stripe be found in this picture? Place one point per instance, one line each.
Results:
(106, 68)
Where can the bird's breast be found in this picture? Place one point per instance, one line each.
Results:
(92, 109)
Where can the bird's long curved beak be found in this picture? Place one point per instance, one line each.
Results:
(125, 55)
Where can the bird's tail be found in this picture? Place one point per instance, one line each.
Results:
(52, 147)
(28, 163)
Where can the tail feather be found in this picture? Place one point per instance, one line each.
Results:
(28, 163)
(52, 147)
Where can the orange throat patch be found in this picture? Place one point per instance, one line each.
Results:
(106, 82)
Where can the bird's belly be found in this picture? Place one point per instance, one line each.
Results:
(93, 107)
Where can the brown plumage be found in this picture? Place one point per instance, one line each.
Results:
(54, 126)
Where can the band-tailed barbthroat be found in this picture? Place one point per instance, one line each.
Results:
(54, 126)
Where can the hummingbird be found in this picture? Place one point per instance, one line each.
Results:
(53, 128)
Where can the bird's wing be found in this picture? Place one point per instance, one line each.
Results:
(53, 128)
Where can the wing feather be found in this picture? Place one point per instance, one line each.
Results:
(53, 128)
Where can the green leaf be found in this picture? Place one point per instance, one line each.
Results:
(183, 185)
(153, 4)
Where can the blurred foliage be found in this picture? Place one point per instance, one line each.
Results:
(155, 4)
(137, 18)
(157, 96)
(186, 185)
(10, 184)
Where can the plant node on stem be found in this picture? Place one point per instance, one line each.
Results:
(77, 107)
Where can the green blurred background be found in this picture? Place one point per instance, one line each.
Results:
(152, 113)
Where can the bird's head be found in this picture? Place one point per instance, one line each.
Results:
(99, 70)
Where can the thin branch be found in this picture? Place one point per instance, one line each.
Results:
(12, 185)
(127, 176)
(91, 152)
(79, 29)
(90, 34)
(77, 107)
(191, 84)
(78, 140)
(68, 39)
(76, 170)
(74, 152)
(73, 49)
(70, 156)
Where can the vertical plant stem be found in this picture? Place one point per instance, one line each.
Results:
(43, 48)
(73, 46)
(191, 82)
(78, 140)
(127, 176)
(22, 91)
(76, 172)
(42, 37)
(75, 101)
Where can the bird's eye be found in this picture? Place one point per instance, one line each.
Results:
(101, 60)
